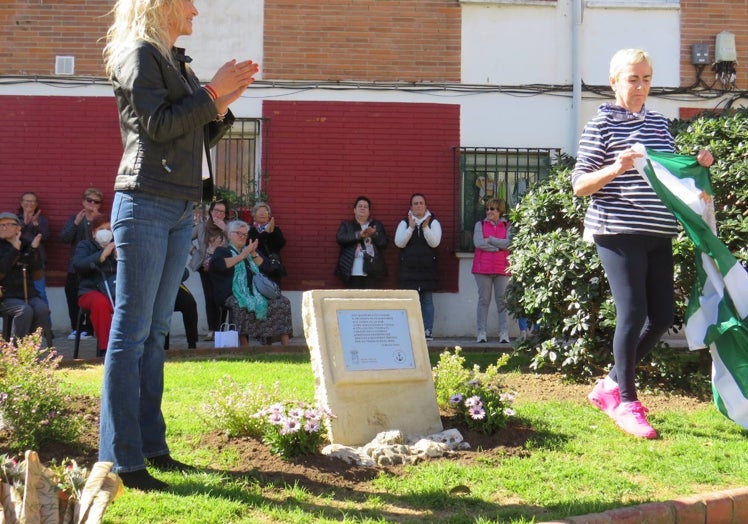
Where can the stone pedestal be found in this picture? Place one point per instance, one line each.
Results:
(370, 362)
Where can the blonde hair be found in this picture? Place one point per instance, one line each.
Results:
(92, 191)
(258, 205)
(498, 204)
(626, 57)
(146, 20)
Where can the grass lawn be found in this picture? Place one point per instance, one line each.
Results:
(574, 461)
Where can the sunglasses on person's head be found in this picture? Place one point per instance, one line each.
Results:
(92, 200)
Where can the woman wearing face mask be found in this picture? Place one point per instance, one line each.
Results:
(95, 260)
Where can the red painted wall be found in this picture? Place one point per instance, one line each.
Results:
(56, 147)
(322, 155)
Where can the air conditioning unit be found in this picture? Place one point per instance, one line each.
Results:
(64, 65)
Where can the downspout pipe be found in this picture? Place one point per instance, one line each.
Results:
(576, 74)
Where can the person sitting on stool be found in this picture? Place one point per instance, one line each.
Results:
(20, 265)
(95, 260)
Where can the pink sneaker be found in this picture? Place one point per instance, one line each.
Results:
(630, 417)
(606, 400)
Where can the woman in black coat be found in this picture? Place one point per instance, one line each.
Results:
(361, 262)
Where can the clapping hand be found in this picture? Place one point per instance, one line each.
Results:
(250, 248)
(37, 241)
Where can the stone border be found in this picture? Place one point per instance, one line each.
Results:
(720, 507)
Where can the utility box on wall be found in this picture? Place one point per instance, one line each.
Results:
(700, 54)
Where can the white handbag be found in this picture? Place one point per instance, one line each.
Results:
(226, 337)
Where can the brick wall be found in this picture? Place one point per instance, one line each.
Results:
(382, 40)
(33, 32)
(700, 23)
(56, 147)
(322, 155)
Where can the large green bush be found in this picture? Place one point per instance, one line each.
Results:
(558, 278)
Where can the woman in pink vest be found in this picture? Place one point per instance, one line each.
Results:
(492, 237)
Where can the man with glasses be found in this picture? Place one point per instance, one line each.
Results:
(20, 261)
(76, 229)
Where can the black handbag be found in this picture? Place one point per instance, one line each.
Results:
(276, 266)
(374, 265)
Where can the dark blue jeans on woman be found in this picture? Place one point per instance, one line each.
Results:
(152, 235)
(639, 269)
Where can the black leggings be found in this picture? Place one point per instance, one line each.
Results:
(640, 273)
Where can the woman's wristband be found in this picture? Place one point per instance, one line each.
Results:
(211, 92)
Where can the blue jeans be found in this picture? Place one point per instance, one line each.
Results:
(427, 309)
(486, 285)
(41, 288)
(152, 235)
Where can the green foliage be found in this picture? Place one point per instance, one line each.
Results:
(231, 408)
(289, 428)
(293, 428)
(557, 278)
(68, 477)
(476, 396)
(450, 374)
(32, 399)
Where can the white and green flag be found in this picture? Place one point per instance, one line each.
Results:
(717, 312)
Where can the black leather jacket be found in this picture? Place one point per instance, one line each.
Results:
(347, 238)
(167, 121)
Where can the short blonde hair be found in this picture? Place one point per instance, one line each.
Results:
(258, 205)
(626, 57)
(92, 191)
(497, 203)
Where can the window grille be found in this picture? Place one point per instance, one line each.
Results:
(237, 165)
(483, 173)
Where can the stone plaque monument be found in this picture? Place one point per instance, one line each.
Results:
(370, 362)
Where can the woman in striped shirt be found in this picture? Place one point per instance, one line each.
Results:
(632, 230)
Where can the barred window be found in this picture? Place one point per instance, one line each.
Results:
(495, 172)
(237, 165)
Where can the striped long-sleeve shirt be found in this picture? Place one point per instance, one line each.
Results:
(627, 204)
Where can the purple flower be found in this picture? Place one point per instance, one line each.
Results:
(456, 399)
(477, 413)
(291, 426)
(277, 419)
(296, 413)
(311, 427)
(276, 408)
(473, 401)
(509, 412)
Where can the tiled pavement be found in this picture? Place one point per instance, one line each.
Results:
(178, 346)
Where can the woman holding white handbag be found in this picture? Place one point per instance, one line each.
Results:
(234, 271)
